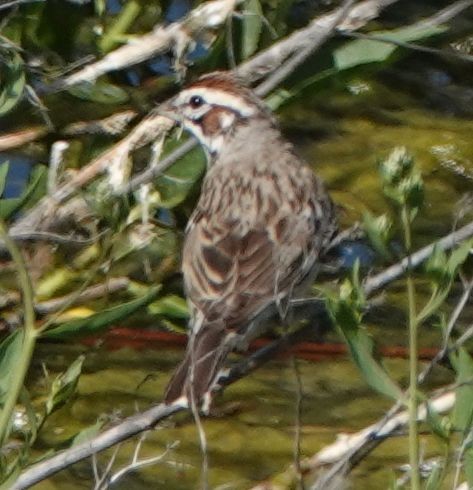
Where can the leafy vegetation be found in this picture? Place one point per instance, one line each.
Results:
(403, 185)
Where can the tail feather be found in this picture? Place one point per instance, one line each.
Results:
(206, 351)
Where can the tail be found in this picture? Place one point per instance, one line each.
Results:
(194, 378)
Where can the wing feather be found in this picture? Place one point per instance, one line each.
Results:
(234, 265)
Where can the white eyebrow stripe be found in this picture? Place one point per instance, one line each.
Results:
(218, 97)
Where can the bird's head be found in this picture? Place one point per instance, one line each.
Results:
(212, 107)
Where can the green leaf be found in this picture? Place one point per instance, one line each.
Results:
(458, 256)
(252, 25)
(436, 266)
(361, 349)
(3, 175)
(468, 465)
(100, 92)
(379, 231)
(12, 81)
(96, 323)
(282, 96)
(436, 476)
(412, 190)
(439, 426)
(64, 386)
(348, 56)
(172, 305)
(463, 413)
(173, 326)
(12, 473)
(442, 271)
(175, 184)
(435, 302)
(89, 432)
(32, 193)
(364, 51)
(49, 284)
(10, 350)
(346, 311)
(99, 7)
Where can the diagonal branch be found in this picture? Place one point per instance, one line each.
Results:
(153, 126)
(392, 273)
(177, 36)
(347, 451)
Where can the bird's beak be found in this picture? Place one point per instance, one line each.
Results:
(169, 109)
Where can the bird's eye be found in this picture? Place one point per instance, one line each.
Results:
(196, 101)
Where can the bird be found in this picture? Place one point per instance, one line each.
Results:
(256, 235)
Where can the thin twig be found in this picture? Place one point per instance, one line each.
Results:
(91, 293)
(297, 424)
(100, 481)
(465, 445)
(46, 236)
(313, 44)
(443, 352)
(204, 476)
(137, 463)
(463, 338)
(157, 170)
(131, 426)
(411, 46)
(15, 3)
(392, 273)
(21, 137)
(36, 102)
(95, 467)
(447, 14)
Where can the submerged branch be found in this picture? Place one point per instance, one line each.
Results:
(347, 451)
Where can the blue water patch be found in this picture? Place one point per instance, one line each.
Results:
(19, 171)
(161, 65)
(113, 6)
(177, 9)
(166, 217)
(349, 252)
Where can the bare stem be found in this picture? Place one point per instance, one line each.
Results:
(413, 367)
(112, 37)
(28, 333)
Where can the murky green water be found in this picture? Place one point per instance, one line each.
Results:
(251, 438)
